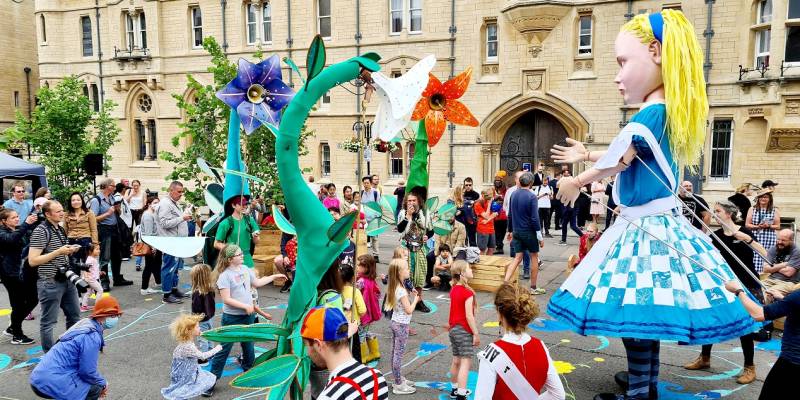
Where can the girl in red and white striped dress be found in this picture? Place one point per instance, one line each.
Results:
(517, 364)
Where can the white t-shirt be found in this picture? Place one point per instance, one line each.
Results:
(544, 202)
(399, 314)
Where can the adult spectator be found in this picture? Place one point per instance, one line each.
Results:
(583, 206)
(102, 205)
(152, 261)
(455, 240)
(413, 225)
(136, 198)
(544, 196)
(611, 215)
(695, 207)
(172, 222)
(239, 229)
(312, 186)
(526, 258)
(69, 371)
(569, 216)
(785, 259)
(738, 239)
(769, 184)
(331, 200)
(742, 200)
(470, 219)
(347, 199)
(501, 222)
(555, 203)
(764, 220)
(43, 192)
(485, 227)
(20, 285)
(598, 208)
(517, 365)
(325, 334)
(17, 202)
(81, 225)
(376, 183)
(400, 194)
(524, 228)
(49, 252)
(781, 378)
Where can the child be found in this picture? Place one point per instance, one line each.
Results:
(397, 300)
(186, 379)
(353, 305)
(590, 236)
(203, 300)
(463, 329)
(371, 293)
(234, 281)
(92, 277)
(442, 268)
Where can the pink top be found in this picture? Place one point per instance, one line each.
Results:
(329, 202)
(94, 269)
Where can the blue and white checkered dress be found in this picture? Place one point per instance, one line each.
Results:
(767, 237)
(632, 284)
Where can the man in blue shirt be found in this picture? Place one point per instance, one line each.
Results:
(781, 378)
(17, 202)
(524, 228)
(102, 205)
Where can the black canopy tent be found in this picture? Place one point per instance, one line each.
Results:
(16, 169)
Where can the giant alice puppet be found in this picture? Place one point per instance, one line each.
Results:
(652, 276)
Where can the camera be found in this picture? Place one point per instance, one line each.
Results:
(71, 273)
(40, 217)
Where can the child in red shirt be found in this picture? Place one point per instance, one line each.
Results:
(464, 336)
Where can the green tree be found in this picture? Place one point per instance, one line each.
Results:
(62, 130)
(205, 132)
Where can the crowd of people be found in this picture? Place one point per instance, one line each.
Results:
(42, 243)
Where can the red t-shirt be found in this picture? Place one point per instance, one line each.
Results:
(484, 226)
(458, 312)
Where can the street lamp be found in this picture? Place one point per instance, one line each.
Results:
(366, 127)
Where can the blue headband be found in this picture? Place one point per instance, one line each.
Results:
(657, 24)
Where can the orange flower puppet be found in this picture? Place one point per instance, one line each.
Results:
(439, 103)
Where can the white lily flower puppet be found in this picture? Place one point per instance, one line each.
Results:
(397, 97)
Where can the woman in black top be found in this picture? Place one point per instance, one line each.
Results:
(21, 285)
(740, 241)
(742, 200)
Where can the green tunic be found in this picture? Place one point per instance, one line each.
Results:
(234, 231)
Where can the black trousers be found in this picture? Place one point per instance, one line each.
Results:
(472, 234)
(780, 380)
(431, 262)
(557, 210)
(500, 227)
(23, 297)
(152, 266)
(110, 251)
(544, 219)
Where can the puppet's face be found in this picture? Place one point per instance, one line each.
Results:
(639, 68)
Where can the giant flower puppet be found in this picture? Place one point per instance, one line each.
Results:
(258, 93)
(439, 104)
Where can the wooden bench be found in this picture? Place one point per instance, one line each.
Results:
(488, 273)
(268, 246)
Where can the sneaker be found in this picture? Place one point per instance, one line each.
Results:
(153, 291)
(562, 242)
(403, 389)
(171, 299)
(179, 294)
(123, 282)
(126, 258)
(286, 286)
(538, 291)
(453, 394)
(210, 391)
(427, 287)
(22, 339)
(30, 317)
(526, 275)
(422, 307)
(408, 382)
(547, 235)
(138, 268)
(8, 332)
(86, 308)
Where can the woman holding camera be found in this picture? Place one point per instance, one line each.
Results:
(21, 286)
(81, 225)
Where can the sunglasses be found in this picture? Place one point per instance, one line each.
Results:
(19, 191)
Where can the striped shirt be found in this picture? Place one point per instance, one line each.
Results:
(57, 238)
(361, 375)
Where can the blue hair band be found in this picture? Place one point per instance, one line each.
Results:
(657, 24)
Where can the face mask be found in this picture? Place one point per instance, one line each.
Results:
(110, 322)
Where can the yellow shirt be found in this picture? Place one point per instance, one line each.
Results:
(361, 307)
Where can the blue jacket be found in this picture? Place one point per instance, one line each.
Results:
(69, 369)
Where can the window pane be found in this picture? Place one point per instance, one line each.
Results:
(251, 24)
(197, 17)
(143, 31)
(96, 98)
(140, 138)
(153, 140)
(585, 40)
(794, 9)
(765, 11)
(491, 49)
(722, 136)
(326, 158)
(129, 27)
(491, 31)
(415, 4)
(325, 27)
(44, 28)
(267, 18)
(86, 92)
(324, 7)
(396, 166)
(397, 21)
(793, 43)
(586, 24)
(416, 20)
(397, 4)
(86, 28)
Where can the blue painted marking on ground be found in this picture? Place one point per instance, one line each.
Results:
(426, 349)
(773, 346)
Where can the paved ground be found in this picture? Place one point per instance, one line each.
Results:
(137, 357)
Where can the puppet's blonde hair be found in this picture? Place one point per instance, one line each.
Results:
(684, 83)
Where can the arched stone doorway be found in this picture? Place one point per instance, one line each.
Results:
(529, 140)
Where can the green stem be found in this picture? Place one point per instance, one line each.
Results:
(418, 173)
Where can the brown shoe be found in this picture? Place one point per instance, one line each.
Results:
(701, 362)
(748, 375)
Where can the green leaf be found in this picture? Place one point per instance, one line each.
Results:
(338, 232)
(431, 203)
(389, 206)
(246, 333)
(213, 197)
(376, 227)
(446, 211)
(203, 165)
(288, 61)
(212, 222)
(241, 174)
(315, 59)
(267, 355)
(281, 222)
(269, 374)
(368, 61)
(374, 207)
(442, 227)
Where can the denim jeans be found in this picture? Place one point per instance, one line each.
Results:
(110, 252)
(248, 351)
(52, 296)
(204, 344)
(170, 267)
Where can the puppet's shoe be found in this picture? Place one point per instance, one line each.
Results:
(748, 375)
(702, 362)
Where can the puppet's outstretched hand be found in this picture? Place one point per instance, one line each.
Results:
(568, 190)
(573, 152)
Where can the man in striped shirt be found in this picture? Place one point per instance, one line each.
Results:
(325, 334)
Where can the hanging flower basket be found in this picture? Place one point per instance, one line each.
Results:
(352, 145)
